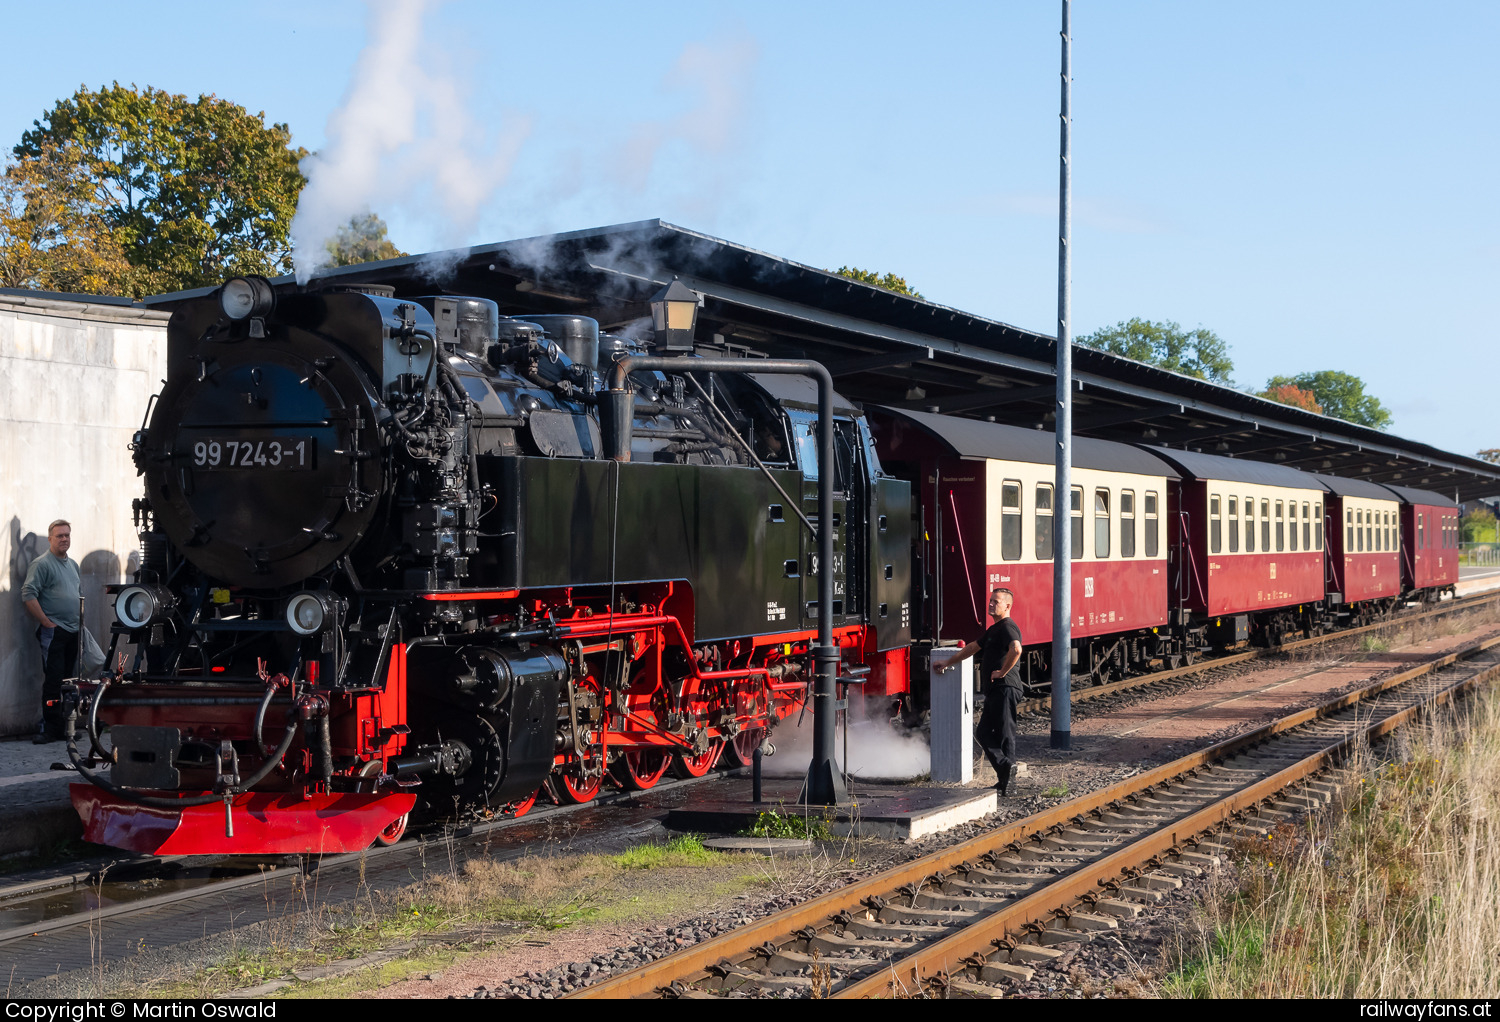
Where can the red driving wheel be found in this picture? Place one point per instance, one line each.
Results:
(688, 765)
(639, 769)
(579, 789)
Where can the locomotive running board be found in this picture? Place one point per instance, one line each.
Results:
(265, 823)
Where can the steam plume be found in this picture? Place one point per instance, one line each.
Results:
(402, 136)
(877, 751)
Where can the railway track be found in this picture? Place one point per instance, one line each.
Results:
(1135, 685)
(59, 920)
(966, 920)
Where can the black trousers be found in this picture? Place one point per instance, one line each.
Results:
(997, 726)
(61, 662)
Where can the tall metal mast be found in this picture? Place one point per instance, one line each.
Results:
(1062, 499)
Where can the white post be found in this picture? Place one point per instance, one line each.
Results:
(952, 697)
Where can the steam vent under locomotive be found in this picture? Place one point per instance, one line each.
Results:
(387, 570)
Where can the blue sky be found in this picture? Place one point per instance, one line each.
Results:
(1315, 183)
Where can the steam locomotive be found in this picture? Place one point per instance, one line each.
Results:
(391, 565)
(386, 569)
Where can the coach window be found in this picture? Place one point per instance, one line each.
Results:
(1369, 530)
(1390, 539)
(1359, 531)
(1215, 526)
(1075, 529)
(1318, 524)
(1249, 525)
(1127, 523)
(1280, 525)
(1151, 524)
(1421, 531)
(1234, 525)
(1291, 512)
(1043, 522)
(1306, 526)
(1348, 531)
(1265, 526)
(1010, 520)
(1101, 524)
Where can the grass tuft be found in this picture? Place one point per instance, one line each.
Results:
(683, 850)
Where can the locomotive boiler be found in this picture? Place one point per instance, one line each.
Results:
(386, 568)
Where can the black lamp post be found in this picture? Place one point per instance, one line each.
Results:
(674, 310)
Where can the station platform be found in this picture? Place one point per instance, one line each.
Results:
(35, 811)
(897, 812)
(1475, 580)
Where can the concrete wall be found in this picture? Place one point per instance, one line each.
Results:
(75, 379)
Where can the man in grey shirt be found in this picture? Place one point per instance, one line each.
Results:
(50, 594)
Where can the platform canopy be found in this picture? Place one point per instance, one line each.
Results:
(892, 349)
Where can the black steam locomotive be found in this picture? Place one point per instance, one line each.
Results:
(386, 567)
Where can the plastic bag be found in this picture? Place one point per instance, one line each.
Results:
(90, 656)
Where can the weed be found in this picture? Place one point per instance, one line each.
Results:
(1373, 644)
(772, 823)
(1058, 791)
(1395, 895)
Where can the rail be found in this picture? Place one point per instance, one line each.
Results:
(990, 908)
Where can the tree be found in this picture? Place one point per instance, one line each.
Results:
(1197, 352)
(53, 235)
(1479, 525)
(1341, 395)
(889, 281)
(1290, 394)
(1491, 455)
(361, 240)
(193, 190)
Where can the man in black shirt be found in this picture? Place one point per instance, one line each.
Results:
(1000, 679)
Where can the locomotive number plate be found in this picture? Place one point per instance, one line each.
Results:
(283, 453)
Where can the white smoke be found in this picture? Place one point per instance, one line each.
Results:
(402, 137)
(878, 751)
(717, 75)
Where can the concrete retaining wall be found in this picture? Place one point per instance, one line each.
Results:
(75, 380)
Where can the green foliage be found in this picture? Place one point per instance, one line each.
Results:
(792, 825)
(683, 850)
(1479, 525)
(889, 281)
(1197, 352)
(1059, 791)
(53, 232)
(193, 190)
(362, 240)
(1341, 395)
(1491, 455)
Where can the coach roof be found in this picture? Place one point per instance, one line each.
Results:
(1345, 487)
(974, 438)
(1236, 470)
(1415, 496)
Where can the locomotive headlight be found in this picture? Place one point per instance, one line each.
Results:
(138, 606)
(308, 613)
(247, 297)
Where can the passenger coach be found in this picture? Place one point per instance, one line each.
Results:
(990, 517)
(1251, 535)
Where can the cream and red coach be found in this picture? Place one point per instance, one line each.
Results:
(1364, 548)
(1429, 543)
(989, 518)
(1251, 541)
